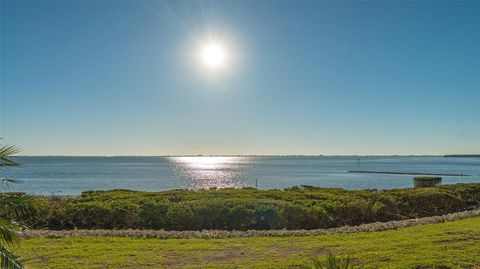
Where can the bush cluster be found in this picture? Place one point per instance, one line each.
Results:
(303, 207)
(426, 181)
(370, 227)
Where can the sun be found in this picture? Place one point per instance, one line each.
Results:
(213, 55)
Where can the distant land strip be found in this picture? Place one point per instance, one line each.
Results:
(463, 155)
(163, 234)
(408, 173)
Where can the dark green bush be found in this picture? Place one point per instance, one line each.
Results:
(153, 215)
(426, 181)
(243, 209)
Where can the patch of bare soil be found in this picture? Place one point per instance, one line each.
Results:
(232, 255)
(442, 267)
(465, 237)
(228, 255)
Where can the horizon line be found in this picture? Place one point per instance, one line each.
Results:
(265, 155)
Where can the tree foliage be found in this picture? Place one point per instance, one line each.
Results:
(12, 207)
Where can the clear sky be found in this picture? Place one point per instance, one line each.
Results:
(124, 77)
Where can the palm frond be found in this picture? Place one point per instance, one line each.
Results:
(8, 232)
(6, 152)
(14, 205)
(317, 264)
(332, 262)
(7, 181)
(9, 260)
(11, 207)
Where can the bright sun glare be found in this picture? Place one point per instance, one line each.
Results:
(213, 55)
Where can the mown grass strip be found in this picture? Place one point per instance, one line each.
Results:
(453, 244)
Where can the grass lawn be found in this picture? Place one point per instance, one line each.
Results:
(453, 245)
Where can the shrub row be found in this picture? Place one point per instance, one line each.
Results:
(370, 227)
(246, 209)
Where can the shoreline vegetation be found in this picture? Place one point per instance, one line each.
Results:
(295, 208)
(205, 234)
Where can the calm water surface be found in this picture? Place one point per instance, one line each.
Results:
(72, 175)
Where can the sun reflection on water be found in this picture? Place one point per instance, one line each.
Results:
(208, 172)
(205, 162)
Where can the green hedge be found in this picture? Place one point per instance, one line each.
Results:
(242, 209)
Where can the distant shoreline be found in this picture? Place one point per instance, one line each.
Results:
(463, 155)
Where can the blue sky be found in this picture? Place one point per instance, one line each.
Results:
(123, 77)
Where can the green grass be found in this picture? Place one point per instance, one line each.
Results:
(453, 244)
